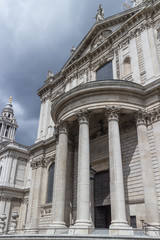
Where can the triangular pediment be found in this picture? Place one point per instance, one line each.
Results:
(99, 33)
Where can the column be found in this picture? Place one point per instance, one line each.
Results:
(118, 211)
(83, 183)
(150, 196)
(59, 189)
(40, 121)
(69, 186)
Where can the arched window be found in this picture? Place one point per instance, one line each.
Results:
(127, 66)
(50, 183)
(105, 72)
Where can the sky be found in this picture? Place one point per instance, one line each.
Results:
(37, 36)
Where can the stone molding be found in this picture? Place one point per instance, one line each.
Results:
(46, 210)
(102, 60)
(49, 160)
(153, 116)
(10, 196)
(37, 162)
(41, 161)
(112, 113)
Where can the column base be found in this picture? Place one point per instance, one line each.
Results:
(57, 228)
(81, 227)
(120, 228)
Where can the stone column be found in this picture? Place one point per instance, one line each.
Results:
(83, 183)
(150, 196)
(118, 211)
(59, 189)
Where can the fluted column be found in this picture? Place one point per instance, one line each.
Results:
(83, 183)
(59, 189)
(150, 196)
(118, 211)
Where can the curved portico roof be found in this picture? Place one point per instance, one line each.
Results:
(97, 95)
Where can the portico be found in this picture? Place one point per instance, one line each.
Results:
(79, 111)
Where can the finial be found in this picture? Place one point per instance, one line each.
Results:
(10, 100)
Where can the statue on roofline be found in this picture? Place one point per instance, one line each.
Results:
(50, 74)
(100, 14)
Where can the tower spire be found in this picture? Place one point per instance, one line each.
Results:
(8, 123)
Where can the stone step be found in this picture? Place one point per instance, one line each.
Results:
(74, 237)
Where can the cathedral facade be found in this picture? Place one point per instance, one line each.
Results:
(96, 161)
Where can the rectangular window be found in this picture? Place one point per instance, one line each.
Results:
(133, 222)
(105, 72)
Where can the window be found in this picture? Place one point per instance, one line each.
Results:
(50, 183)
(127, 66)
(133, 222)
(105, 72)
(7, 131)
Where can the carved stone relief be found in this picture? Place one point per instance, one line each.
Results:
(101, 38)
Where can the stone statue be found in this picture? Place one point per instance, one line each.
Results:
(136, 2)
(50, 74)
(100, 14)
(72, 50)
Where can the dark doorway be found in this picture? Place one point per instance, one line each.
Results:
(102, 216)
(102, 200)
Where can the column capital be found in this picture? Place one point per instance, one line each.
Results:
(112, 113)
(83, 116)
(141, 116)
(63, 127)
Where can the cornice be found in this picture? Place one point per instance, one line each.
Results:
(14, 153)
(121, 89)
(42, 144)
(11, 193)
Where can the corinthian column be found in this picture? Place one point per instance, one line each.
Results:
(118, 212)
(83, 185)
(59, 189)
(150, 196)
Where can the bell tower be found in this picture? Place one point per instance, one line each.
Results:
(8, 123)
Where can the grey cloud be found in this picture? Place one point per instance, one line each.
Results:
(37, 35)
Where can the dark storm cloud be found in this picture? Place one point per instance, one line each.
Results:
(35, 36)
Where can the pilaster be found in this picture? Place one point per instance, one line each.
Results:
(150, 196)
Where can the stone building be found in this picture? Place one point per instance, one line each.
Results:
(101, 167)
(14, 169)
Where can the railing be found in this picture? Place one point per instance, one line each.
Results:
(149, 228)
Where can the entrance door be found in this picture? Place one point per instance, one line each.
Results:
(102, 200)
(102, 217)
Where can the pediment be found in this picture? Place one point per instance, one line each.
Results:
(98, 34)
